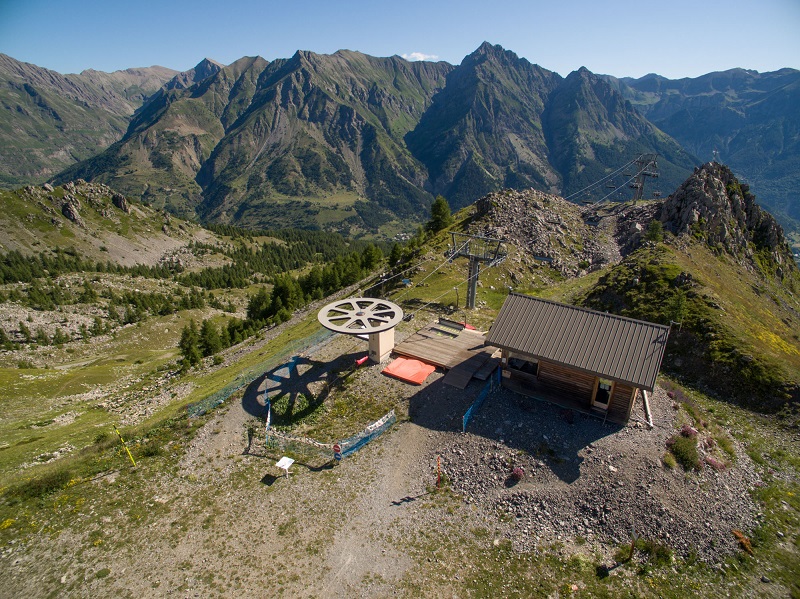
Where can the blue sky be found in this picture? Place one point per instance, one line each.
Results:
(678, 38)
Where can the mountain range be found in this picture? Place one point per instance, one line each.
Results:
(49, 121)
(750, 119)
(354, 142)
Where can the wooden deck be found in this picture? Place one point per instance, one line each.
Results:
(441, 347)
(479, 365)
(462, 352)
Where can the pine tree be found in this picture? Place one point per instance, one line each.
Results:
(258, 307)
(41, 337)
(210, 342)
(655, 231)
(676, 306)
(60, 337)
(396, 254)
(88, 294)
(190, 345)
(5, 341)
(371, 257)
(98, 328)
(224, 337)
(440, 215)
(25, 332)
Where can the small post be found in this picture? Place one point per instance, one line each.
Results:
(125, 445)
(438, 471)
(634, 538)
(268, 420)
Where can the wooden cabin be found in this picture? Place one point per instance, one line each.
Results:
(576, 357)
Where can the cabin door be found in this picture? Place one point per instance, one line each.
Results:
(601, 397)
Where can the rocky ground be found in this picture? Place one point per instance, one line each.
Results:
(588, 480)
(548, 229)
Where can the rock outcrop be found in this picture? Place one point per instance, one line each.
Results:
(71, 210)
(120, 202)
(712, 204)
(78, 197)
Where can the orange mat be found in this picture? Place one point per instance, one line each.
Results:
(409, 370)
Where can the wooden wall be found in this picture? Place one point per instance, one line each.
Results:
(578, 384)
(619, 407)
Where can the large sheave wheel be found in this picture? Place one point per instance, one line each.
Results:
(359, 316)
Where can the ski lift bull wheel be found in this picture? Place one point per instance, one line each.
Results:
(361, 315)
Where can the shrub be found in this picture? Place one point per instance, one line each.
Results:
(669, 460)
(743, 541)
(688, 431)
(716, 464)
(658, 553)
(151, 449)
(44, 484)
(654, 231)
(685, 451)
(517, 473)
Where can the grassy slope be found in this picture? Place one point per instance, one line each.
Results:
(34, 400)
(29, 152)
(739, 328)
(31, 223)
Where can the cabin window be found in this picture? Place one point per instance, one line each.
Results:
(603, 394)
(527, 366)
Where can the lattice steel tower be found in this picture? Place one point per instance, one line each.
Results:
(479, 250)
(646, 166)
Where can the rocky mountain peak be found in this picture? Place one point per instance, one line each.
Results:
(487, 49)
(203, 70)
(583, 76)
(206, 68)
(488, 52)
(713, 204)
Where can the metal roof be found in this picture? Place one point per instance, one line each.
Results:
(610, 346)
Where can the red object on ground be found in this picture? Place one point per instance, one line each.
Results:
(360, 361)
(409, 370)
(469, 327)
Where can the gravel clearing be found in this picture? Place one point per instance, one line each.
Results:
(584, 480)
(595, 481)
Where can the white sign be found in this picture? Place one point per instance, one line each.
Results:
(284, 464)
